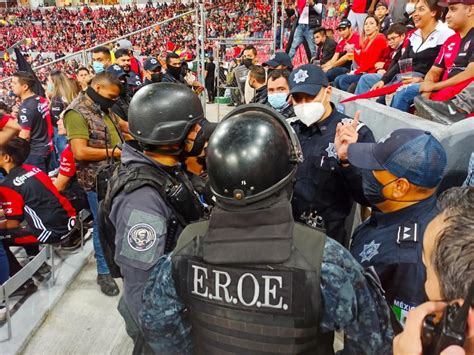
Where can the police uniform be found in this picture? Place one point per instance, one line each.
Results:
(393, 244)
(140, 219)
(324, 190)
(392, 241)
(251, 280)
(147, 204)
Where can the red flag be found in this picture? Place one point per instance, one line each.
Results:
(374, 93)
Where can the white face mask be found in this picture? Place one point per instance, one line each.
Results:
(410, 8)
(310, 113)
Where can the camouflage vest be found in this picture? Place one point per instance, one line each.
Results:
(99, 137)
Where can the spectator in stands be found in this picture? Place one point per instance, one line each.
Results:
(448, 250)
(325, 47)
(249, 58)
(101, 59)
(385, 21)
(210, 79)
(372, 50)
(9, 128)
(61, 90)
(423, 47)
(359, 11)
(309, 17)
(395, 37)
(35, 120)
(453, 69)
(35, 212)
(122, 59)
(341, 62)
(400, 177)
(278, 91)
(4, 268)
(93, 130)
(280, 60)
(258, 82)
(407, 19)
(152, 71)
(83, 77)
(4, 108)
(449, 111)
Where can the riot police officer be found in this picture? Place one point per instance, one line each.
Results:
(149, 198)
(400, 175)
(252, 280)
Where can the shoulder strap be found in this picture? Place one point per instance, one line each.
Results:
(310, 243)
(192, 231)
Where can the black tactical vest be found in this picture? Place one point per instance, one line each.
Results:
(128, 178)
(253, 308)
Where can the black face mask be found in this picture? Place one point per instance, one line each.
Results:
(104, 103)
(247, 63)
(174, 71)
(156, 77)
(124, 89)
(372, 188)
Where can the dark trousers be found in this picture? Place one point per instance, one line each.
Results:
(15, 266)
(40, 160)
(133, 330)
(210, 90)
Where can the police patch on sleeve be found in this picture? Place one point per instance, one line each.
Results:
(143, 240)
(141, 237)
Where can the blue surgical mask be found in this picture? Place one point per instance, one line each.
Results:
(50, 87)
(278, 100)
(98, 67)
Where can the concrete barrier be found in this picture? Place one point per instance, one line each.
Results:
(457, 139)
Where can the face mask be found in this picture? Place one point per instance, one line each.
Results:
(278, 100)
(50, 87)
(247, 63)
(372, 188)
(310, 113)
(98, 67)
(123, 89)
(156, 77)
(174, 71)
(104, 103)
(410, 8)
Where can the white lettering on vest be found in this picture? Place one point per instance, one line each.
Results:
(272, 291)
(256, 290)
(224, 286)
(199, 280)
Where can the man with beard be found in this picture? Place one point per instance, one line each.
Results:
(123, 59)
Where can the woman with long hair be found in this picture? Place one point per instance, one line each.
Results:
(422, 48)
(372, 50)
(61, 90)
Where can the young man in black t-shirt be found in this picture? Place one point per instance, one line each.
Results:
(34, 119)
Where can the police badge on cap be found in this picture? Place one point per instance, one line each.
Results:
(141, 237)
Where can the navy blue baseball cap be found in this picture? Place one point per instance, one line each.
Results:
(151, 64)
(406, 153)
(344, 24)
(116, 70)
(279, 58)
(308, 79)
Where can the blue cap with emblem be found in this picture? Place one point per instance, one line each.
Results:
(307, 79)
(151, 64)
(406, 153)
(280, 58)
(116, 70)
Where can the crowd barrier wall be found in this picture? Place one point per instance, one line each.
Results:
(457, 139)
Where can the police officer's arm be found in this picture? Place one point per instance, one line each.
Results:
(347, 134)
(352, 303)
(9, 128)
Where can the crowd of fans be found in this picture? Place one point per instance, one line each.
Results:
(423, 64)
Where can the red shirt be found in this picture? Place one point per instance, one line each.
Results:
(370, 53)
(67, 165)
(354, 39)
(360, 6)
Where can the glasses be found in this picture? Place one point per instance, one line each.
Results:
(392, 38)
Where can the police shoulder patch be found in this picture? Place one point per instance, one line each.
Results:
(141, 237)
(407, 233)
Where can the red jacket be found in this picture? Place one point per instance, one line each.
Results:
(370, 53)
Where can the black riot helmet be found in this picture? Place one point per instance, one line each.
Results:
(252, 154)
(163, 113)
